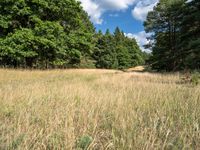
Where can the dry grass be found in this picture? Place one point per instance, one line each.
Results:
(137, 69)
(54, 109)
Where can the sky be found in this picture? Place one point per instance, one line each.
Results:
(129, 15)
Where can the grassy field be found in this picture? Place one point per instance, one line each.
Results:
(97, 109)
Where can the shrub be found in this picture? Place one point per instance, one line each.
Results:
(84, 142)
(195, 79)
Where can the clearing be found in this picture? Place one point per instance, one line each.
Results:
(97, 109)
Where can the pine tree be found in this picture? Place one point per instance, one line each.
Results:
(190, 35)
(105, 53)
(172, 23)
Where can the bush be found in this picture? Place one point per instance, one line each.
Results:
(84, 142)
(195, 79)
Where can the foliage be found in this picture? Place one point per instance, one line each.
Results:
(84, 142)
(105, 53)
(116, 51)
(195, 79)
(58, 34)
(44, 34)
(175, 39)
(191, 78)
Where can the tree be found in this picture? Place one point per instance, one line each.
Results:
(128, 51)
(116, 51)
(136, 55)
(105, 53)
(59, 34)
(174, 25)
(44, 33)
(190, 35)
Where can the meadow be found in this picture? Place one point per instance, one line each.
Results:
(97, 109)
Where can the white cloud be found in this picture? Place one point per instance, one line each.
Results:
(142, 8)
(113, 5)
(96, 8)
(93, 10)
(141, 39)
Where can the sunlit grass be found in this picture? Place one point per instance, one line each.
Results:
(98, 109)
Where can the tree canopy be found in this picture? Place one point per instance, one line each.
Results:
(44, 33)
(175, 40)
(116, 51)
(58, 34)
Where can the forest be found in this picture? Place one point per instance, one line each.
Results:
(49, 34)
(58, 34)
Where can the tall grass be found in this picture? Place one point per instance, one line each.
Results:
(97, 109)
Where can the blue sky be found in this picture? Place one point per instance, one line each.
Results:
(126, 14)
(123, 19)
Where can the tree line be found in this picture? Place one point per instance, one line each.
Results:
(116, 51)
(59, 34)
(175, 35)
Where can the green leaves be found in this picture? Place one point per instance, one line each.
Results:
(84, 142)
(44, 33)
(4, 21)
(175, 29)
(58, 33)
(116, 51)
